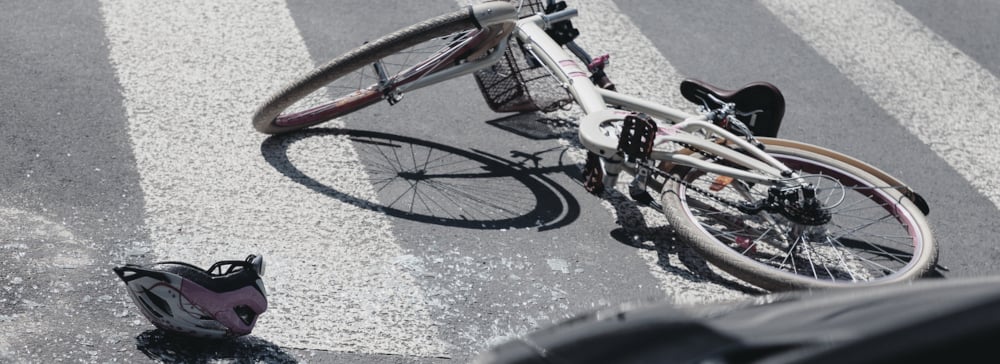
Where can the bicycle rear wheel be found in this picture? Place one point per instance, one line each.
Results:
(876, 236)
(374, 71)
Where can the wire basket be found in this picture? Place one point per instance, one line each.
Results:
(517, 83)
(529, 7)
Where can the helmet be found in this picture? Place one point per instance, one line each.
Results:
(223, 301)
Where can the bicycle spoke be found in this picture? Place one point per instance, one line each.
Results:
(866, 238)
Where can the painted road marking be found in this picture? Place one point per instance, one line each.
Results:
(935, 90)
(191, 73)
(640, 70)
(35, 283)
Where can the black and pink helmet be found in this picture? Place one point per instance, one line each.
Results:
(223, 301)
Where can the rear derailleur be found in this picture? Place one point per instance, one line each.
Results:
(798, 204)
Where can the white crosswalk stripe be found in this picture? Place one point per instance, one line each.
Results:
(191, 72)
(932, 88)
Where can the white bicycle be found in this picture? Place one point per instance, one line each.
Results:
(776, 213)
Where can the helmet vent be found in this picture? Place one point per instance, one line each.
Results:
(159, 302)
(148, 308)
(245, 314)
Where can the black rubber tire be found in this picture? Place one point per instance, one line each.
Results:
(771, 278)
(363, 56)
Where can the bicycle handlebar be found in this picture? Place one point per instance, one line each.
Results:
(561, 15)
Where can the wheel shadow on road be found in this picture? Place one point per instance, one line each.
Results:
(636, 232)
(171, 348)
(423, 181)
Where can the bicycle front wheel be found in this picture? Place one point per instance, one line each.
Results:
(875, 235)
(374, 71)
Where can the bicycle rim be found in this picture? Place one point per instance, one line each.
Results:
(875, 235)
(370, 73)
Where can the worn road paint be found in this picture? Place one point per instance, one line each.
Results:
(191, 73)
(935, 90)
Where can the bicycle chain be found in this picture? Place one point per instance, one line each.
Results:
(641, 162)
(736, 205)
(742, 207)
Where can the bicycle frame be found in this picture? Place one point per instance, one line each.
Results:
(686, 129)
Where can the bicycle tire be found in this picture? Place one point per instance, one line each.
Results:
(739, 252)
(268, 117)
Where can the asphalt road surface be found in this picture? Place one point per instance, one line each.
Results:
(125, 137)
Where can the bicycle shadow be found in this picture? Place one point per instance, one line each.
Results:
(428, 182)
(634, 231)
(170, 348)
(535, 127)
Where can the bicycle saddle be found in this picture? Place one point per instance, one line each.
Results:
(760, 105)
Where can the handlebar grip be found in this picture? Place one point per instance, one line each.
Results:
(604, 82)
(558, 16)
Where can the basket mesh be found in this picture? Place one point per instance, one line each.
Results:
(529, 7)
(516, 85)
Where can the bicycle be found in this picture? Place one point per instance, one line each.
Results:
(776, 213)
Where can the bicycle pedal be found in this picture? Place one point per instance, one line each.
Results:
(593, 174)
(636, 139)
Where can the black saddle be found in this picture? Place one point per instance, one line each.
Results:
(760, 105)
